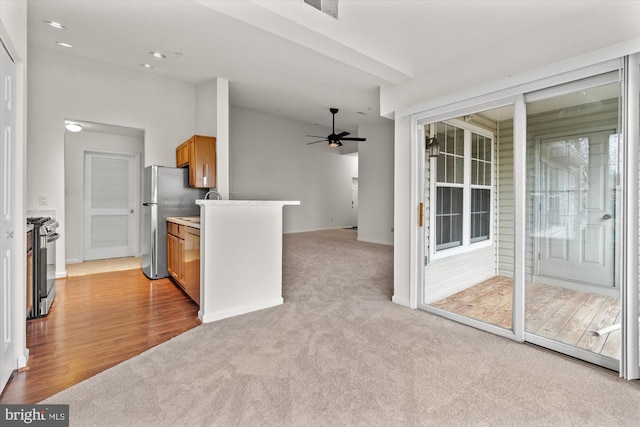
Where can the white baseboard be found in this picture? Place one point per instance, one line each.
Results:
(236, 311)
(401, 301)
(61, 274)
(377, 242)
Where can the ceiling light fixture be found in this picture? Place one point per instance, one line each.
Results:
(147, 66)
(432, 146)
(157, 55)
(73, 127)
(55, 24)
(63, 44)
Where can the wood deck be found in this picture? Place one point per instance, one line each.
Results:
(96, 322)
(560, 314)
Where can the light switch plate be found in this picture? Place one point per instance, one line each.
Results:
(44, 199)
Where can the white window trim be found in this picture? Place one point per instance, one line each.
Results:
(467, 245)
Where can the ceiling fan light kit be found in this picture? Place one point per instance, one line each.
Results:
(333, 139)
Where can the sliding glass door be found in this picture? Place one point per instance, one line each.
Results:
(573, 252)
(529, 214)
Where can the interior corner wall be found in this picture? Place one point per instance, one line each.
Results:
(270, 160)
(375, 184)
(63, 86)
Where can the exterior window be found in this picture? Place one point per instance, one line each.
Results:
(462, 190)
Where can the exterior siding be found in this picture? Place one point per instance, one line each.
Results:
(444, 276)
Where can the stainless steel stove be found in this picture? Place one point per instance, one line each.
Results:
(44, 264)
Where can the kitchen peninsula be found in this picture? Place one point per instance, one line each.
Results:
(240, 256)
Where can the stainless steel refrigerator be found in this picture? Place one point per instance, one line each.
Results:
(166, 193)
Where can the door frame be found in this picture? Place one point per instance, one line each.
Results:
(551, 81)
(134, 233)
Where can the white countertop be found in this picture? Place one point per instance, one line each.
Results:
(189, 221)
(246, 203)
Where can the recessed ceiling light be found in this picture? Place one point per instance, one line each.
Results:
(55, 24)
(157, 55)
(146, 65)
(73, 127)
(63, 44)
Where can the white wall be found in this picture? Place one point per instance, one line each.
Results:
(63, 86)
(269, 160)
(375, 187)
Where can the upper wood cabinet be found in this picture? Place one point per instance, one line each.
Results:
(199, 154)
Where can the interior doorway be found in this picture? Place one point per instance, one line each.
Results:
(116, 148)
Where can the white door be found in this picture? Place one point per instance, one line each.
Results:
(8, 272)
(354, 202)
(110, 205)
(576, 190)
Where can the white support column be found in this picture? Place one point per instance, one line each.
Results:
(222, 137)
(629, 360)
(520, 191)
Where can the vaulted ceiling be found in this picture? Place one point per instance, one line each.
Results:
(288, 59)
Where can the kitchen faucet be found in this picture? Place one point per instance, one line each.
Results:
(216, 194)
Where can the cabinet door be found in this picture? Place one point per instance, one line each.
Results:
(172, 246)
(29, 302)
(192, 263)
(182, 155)
(202, 161)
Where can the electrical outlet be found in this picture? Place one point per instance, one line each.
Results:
(44, 199)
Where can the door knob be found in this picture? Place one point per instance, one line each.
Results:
(606, 216)
(130, 210)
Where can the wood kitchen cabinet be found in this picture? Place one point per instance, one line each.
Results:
(198, 153)
(183, 258)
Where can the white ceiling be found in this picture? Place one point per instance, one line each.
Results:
(287, 59)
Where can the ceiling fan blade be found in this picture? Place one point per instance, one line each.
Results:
(315, 142)
(317, 136)
(353, 139)
(343, 134)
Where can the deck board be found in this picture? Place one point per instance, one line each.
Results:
(564, 315)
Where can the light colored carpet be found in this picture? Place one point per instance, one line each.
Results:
(339, 353)
(103, 266)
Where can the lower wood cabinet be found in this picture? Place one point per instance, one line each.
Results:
(183, 258)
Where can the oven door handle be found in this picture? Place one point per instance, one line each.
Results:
(53, 237)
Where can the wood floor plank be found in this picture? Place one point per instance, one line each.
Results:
(562, 314)
(96, 322)
(578, 325)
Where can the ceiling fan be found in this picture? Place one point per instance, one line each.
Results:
(333, 139)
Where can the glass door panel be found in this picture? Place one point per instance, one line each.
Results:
(572, 291)
(469, 218)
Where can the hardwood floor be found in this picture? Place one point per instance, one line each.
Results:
(563, 315)
(96, 322)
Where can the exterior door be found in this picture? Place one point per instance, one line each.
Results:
(110, 205)
(576, 196)
(8, 256)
